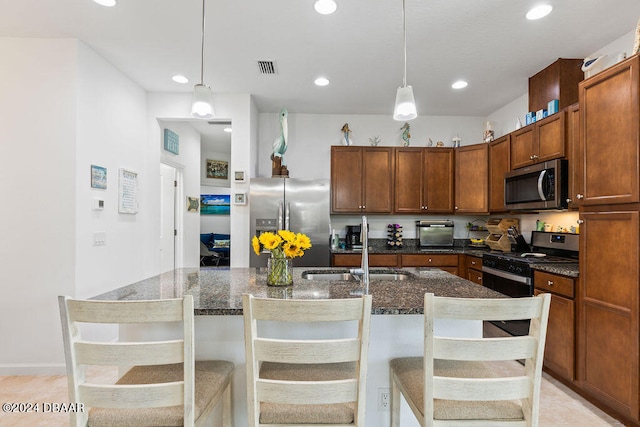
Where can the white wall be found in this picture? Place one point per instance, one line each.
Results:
(37, 173)
(86, 113)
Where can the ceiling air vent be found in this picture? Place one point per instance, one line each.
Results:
(267, 67)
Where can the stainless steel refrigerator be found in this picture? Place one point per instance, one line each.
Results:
(299, 205)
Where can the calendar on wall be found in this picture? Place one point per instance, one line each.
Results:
(128, 191)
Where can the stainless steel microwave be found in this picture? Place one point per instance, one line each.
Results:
(537, 187)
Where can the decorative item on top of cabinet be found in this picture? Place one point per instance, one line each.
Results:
(455, 141)
(472, 179)
(346, 135)
(488, 132)
(375, 141)
(394, 238)
(406, 134)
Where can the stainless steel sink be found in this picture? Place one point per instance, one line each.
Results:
(335, 275)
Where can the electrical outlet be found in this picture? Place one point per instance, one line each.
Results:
(384, 402)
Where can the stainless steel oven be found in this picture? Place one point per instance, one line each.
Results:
(512, 273)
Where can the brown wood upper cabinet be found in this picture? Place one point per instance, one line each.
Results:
(539, 142)
(424, 180)
(472, 179)
(500, 161)
(361, 179)
(609, 135)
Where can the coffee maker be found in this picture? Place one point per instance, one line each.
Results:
(354, 237)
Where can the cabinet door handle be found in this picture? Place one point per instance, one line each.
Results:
(535, 156)
(531, 157)
(473, 263)
(549, 282)
(579, 196)
(456, 208)
(429, 259)
(569, 200)
(580, 221)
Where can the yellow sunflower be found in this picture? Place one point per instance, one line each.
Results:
(292, 250)
(288, 236)
(303, 240)
(256, 245)
(270, 241)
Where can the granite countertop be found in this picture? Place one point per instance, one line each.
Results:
(411, 246)
(564, 269)
(218, 291)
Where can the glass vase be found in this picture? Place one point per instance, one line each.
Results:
(279, 272)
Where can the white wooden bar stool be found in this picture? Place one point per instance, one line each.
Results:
(452, 384)
(306, 381)
(164, 387)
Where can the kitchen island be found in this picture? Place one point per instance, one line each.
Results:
(396, 327)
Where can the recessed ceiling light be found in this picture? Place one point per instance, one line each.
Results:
(107, 3)
(460, 84)
(321, 81)
(539, 12)
(180, 79)
(325, 7)
(227, 129)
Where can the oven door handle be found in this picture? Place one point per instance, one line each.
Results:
(506, 275)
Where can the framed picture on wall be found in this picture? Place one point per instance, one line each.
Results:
(215, 204)
(217, 169)
(240, 199)
(192, 204)
(98, 177)
(238, 176)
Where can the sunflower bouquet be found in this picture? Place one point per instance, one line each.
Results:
(283, 246)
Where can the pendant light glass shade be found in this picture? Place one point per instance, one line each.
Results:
(405, 104)
(202, 102)
(405, 108)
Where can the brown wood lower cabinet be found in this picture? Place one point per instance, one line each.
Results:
(448, 263)
(354, 260)
(473, 268)
(559, 353)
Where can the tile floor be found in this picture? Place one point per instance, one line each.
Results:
(559, 406)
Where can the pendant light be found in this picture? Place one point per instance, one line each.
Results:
(405, 108)
(202, 101)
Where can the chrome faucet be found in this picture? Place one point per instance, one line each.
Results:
(363, 271)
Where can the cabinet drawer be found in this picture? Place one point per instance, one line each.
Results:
(474, 276)
(553, 283)
(473, 263)
(420, 260)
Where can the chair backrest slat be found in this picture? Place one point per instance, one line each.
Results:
(296, 351)
(125, 354)
(308, 392)
(481, 389)
(484, 348)
(132, 396)
(487, 309)
(307, 310)
(121, 312)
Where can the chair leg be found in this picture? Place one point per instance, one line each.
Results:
(395, 402)
(226, 406)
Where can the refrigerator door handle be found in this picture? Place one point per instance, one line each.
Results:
(280, 216)
(287, 216)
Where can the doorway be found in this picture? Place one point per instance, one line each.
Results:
(168, 188)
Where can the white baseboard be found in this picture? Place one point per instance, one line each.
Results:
(33, 369)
